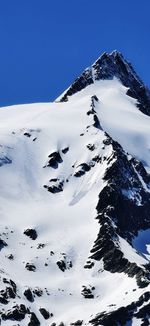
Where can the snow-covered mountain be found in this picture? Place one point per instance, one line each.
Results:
(75, 203)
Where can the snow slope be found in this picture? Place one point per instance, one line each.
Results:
(65, 220)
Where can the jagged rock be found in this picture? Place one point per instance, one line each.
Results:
(9, 292)
(141, 170)
(91, 111)
(40, 245)
(144, 312)
(38, 292)
(62, 265)
(143, 298)
(30, 267)
(109, 66)
(54, 160)
(97, 159)
(96, 123)
(87, 292)
(3, 300)
(81, 82)
(12, 283)
(45, 313)
(27, 134)
(2, 244)
(113, 210)
(122, 175)
(91, 147)
(94, 99)
(77, 323)
(89, 264)
(65, 150)
(82, 169)
(28, 294)
(16, 313)
(31, 233)
(10, 256)
(33, 320)
(55, 185)
(124, 314)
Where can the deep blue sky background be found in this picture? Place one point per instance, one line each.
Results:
(45, 44)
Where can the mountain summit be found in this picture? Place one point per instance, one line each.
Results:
(109, 66)
(75, 203)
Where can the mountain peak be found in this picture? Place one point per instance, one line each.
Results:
(113, 54)
(113, 64)
(75, 203)
(106, 67)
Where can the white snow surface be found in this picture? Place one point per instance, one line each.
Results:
(65, 222)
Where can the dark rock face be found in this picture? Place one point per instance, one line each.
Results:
(96, 122)
(38, 292)
(33, 320)
(125, 314)
(65, 150)
(91, 147)
(2, 244)
(82, 169)
(81, 82)
(122, 179)
(142, 172)
(12, 284)
(2, 299)
(109, 66)
(31, 233)
(54, 160)
(120, 213)
(28, 294)
(87, 292)
(77, 323)
(27, 134)
(55, 185)
(62, 265)
(40, 245)
(114, 65)
(16, 313)
(30, 267)
(89, 264)
(10, 257)
(45, 313)
(9, 292)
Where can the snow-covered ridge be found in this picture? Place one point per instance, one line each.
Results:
(74, 195)
(106, 67)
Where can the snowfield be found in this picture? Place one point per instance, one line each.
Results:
(65, 221)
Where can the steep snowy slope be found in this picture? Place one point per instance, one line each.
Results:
(75, 203)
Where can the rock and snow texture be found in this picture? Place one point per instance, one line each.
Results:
(75, 203)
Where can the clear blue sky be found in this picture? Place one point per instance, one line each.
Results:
(45, 44)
